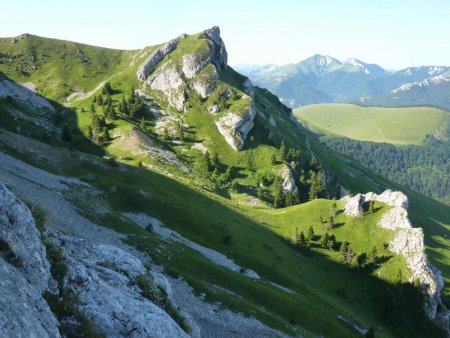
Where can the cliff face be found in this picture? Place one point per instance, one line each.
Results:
(408, 242)
(191, 66)
(24, 273)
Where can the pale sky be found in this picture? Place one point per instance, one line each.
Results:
(393, 33)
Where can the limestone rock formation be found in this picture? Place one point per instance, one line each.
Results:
(24, 273)
(103, 276)
(408, 242)
(150, 64)
(170, 77)
(235, 127)
(288, 184)
(176, 71)
(353, 205)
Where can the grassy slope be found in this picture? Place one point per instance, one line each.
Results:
(324, 288)
(431, 215)
(59, 68)
(391, 125)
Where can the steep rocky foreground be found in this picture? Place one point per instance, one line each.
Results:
(102, 271)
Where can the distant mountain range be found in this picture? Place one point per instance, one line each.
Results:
(324, 79)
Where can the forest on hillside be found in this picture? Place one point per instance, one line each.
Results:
(424, 168)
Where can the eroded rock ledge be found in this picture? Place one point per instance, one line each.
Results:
(408, 242)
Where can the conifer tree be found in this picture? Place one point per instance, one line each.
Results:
(273, 159)
(278, 199)
(282, 152)
(310, 233)
(295, 196)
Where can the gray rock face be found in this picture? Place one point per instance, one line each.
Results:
(288, 184)
(23, 311)
(235, 127)
(150, 64)
(408, 242)
(102, 276)
(353, 205)
(219, 55)
(171, 78)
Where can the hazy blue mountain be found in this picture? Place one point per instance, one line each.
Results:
(322, 79)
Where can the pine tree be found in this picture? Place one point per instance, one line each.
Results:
(278, 199)
(311, 233)
(106, 136)
(344, 250)
(113, 114)
(132, 100)
(287, 198)
(215, 160)
(206, 163)
(92, 111)
(330, 223)
(324, 240)
(89, 132)
(331, 242)
(124, 107)
(107, 89)
(372, 257)
(295, 196)
(273, 159)
(301, 240)
(282, 152)
(142, 124)
(399, 277)
(317, 188)
(100, 100)
(334, 209)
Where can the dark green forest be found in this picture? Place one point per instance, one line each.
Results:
(424, 168)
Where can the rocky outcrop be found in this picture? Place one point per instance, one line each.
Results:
(103, 277)
(150, 64)
(235, 127)
(219, 52)
(353, 206)
(288, 184)
(171, 78)
(408, 242)
(24, 273)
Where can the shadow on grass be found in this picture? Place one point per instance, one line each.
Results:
(207, 220)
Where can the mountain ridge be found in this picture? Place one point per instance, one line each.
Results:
(357, 81)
